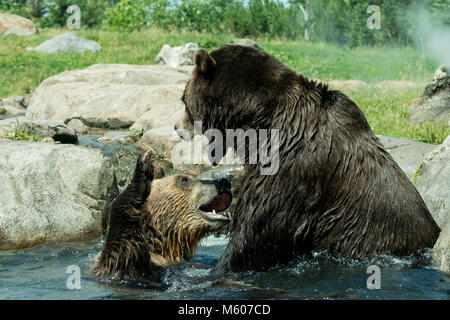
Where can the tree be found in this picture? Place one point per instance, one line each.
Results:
(305, 8)
(37, 7)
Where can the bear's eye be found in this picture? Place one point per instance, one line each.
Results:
(184, 179)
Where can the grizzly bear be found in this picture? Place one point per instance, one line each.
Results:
(156, 223)
(336, 188)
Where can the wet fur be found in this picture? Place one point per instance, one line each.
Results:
(154, 224)
(337, 188)
(126, 253)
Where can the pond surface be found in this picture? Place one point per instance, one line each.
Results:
(40, 273)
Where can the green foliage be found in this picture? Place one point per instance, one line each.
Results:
(92, 13)
(343, 22)
(136, 134)
(416, 173)
(251, 18)
(20, 133)
(15, 7)
(21, 71)
(126, 15)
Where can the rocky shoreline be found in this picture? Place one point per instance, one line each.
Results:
(92, 124)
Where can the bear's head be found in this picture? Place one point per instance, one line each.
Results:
(235, 87)
(183, 210)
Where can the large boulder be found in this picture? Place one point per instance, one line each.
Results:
(16, 24)
(15, 31)
(177, 56)
(433, 183)
(14, 106)
(434, 104)
(408, 153)
(58, 131)
(160, 115)
(107, 96)
(52, 193)
(67, 42)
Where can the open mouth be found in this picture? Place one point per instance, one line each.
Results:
(219, 203)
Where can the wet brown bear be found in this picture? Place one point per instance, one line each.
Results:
(336, 188)
(156, 223)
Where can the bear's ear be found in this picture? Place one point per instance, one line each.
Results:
(205, 63)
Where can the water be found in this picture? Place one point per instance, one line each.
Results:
(40, 273)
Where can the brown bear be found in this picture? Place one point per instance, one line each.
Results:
(336, 187)
(156, 223)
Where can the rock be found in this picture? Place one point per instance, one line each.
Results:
(433, 183)
(407, 153)
(48, 140)
(46, 128)
(434, 104)
(106, 96)
(12, 111)
(102, 123)
(15, 31)
(122, 155)
(161, 139)
(160, 115)
(8, 21)
(246, 43)
(13, 106)
(52, 193)
(177, 56)
(78, 126)
(116, 136)
(67, 42)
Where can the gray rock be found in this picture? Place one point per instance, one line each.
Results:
(10, 110)
(116, 136)
(161, 139)
(52, 193)
(16, 31)
(78, 126)
(46, 128)
(434, 104)
(246, 43)
(407, 153)
(433, 183)
(13, 106)
(160, 115)
(177, 56)
(107, 96)
(67, 42)
(102, 123)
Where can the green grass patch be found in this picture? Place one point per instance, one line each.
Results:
(385, 111)
(21, 71)
(20, 133)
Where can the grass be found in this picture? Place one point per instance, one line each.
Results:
(20, 133)
(416, 173)
(21, 71)
(385, 111)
